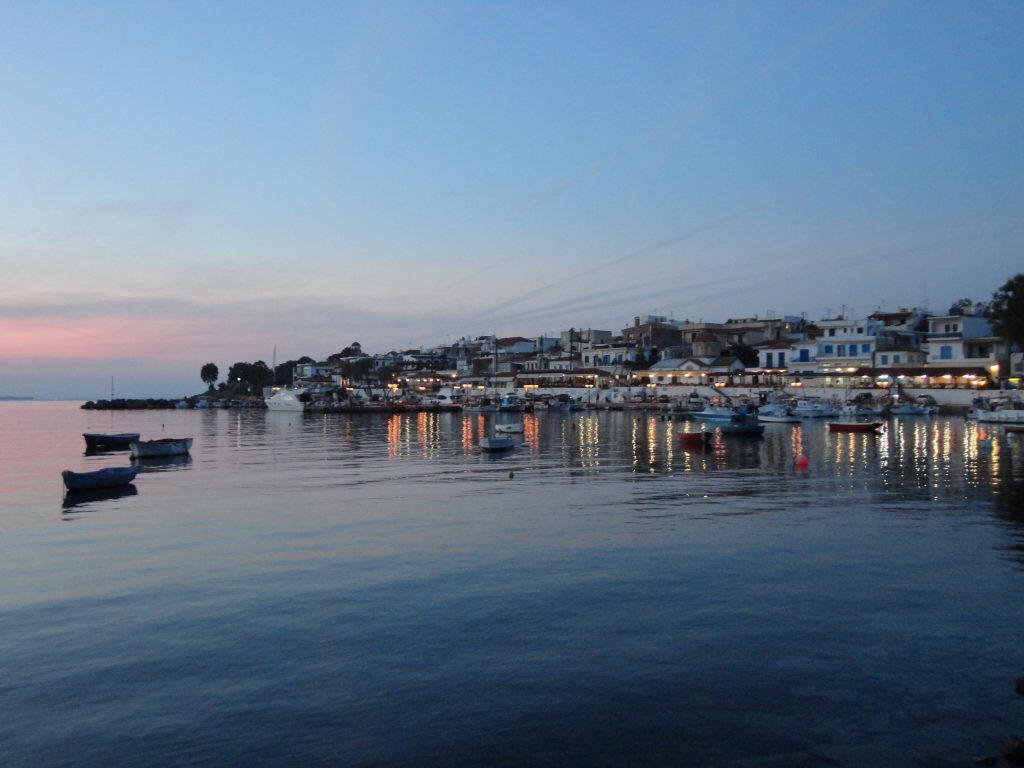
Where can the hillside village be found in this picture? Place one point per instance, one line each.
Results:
(907, 347)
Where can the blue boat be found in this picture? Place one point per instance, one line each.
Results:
(109, 477)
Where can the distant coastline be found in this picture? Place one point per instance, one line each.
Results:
(14, 397)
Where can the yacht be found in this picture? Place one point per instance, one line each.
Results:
(287, 400)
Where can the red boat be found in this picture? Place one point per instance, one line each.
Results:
(695, 438)
(854, 426)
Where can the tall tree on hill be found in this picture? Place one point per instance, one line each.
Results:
(255, 375)
(209, 374)
(1006, 312)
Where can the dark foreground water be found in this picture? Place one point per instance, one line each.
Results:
(373, 591)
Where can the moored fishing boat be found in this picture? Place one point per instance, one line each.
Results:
(743, 428)
(108, 477)
(171, 446)
(716, 411)
(814, 407)
(777, 413)
(95, 441)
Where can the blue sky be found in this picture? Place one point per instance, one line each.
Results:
(208, 182)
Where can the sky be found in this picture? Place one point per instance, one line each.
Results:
(193, 182)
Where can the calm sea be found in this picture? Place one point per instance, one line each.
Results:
(373, 591)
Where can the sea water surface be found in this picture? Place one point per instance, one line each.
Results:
(372, 590)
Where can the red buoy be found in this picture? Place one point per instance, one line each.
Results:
(801, 461)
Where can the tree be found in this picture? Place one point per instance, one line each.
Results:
(284, 373)
(253, 375)
(209, 374)
(745, 353)
(1006, 312)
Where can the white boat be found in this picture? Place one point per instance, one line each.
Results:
(509, 428)
(168, 446)
(497, 443)
(814, 407)
(1005, 416)
(286, 400)
(777, 413)
(716, 411)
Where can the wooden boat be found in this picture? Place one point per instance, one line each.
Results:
(508, 428)
(108, 477)
(1015, 428)
(170, 446)
(497, 443)
(94, 441)
(854, 426)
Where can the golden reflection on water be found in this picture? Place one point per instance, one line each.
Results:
(588, 438)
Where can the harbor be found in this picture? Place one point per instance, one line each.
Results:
(365, 590)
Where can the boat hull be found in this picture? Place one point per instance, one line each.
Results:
(145, 449)
(508, 428)
(743, 431)
(1001, 417)
(494, 444)
(854, 426)
(109, 477)
(95, 441)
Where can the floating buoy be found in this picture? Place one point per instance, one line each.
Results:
(511, 474)
(801, 461)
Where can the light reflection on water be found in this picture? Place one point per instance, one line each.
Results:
(372, 590)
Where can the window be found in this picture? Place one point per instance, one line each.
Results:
(782, 359)
(860, 331)
(945, 352)
(865, 349)
(805, 356)
(831, 331)
(885, 359)
(826, 349)
(768, 360)
(841, 350)
(895, 359)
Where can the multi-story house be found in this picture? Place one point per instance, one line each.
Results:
(957, 343)
(606, 355)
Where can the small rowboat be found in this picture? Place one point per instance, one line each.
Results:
(698, 437)
(95, 441)
(508, 428)
(170, 446)
(110, 477)
(854, 426)
(494, 444)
